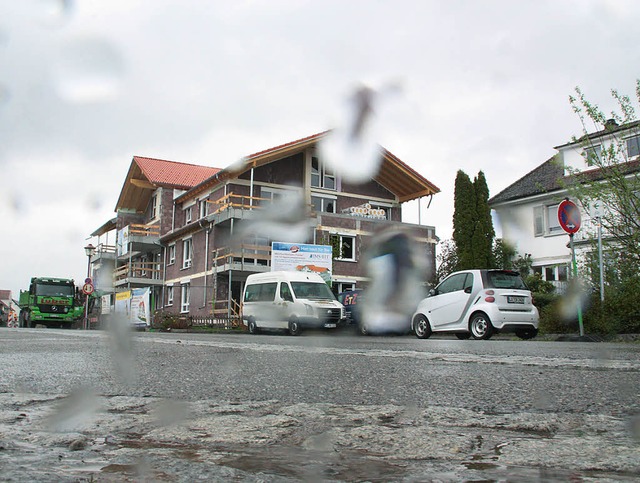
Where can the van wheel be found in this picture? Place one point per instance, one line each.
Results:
(294, 327)
(421, 327)
(480, 327)
(253, 327)
(526, 334)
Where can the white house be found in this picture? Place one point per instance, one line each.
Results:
(527, 210)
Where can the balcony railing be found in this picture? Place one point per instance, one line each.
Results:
(245, 254)
(232, 200)
(147, 270)
(144, 230)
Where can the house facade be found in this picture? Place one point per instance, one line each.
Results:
(194, 240)
(527, 210)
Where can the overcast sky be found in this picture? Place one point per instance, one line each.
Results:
(86, 85)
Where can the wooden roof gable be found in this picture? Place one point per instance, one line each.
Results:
(147, 174)
(394, 175)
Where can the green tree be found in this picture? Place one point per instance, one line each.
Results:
(473, 232)
(464, 220)
(613, 182)
(483, 232)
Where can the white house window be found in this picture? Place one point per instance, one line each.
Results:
(591, 154)
(172, 254)
(553, 224)
(323, 205)
(346, 247)
(188, 214)
(187, 248)
(321, 175)
(185, 296)
(633, 146)
(169, 295)
(545, 220)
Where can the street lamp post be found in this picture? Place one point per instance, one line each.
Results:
(89, 250)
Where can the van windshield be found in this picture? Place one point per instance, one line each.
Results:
(312, 290)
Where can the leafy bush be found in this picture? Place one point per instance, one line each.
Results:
(163, 320)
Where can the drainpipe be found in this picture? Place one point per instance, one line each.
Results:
(251, 190)
(229, 288)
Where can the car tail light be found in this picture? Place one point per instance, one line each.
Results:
(489, 296)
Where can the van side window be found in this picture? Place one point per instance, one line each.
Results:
(268, 291)
(285, 292)
(260, 292)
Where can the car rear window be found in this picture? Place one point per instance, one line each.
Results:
(504, 279)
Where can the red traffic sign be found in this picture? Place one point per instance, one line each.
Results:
(87, 288)
(569, 216)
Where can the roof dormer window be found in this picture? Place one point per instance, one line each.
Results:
(633, 146)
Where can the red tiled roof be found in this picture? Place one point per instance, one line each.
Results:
(172, 173)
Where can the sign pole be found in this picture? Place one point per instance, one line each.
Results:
(575, 281)
(570, 221)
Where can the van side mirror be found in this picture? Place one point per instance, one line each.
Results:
(432, 292)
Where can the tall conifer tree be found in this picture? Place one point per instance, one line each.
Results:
(464, 216)
(483, 233)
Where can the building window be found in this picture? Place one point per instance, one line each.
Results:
(154, 206)
(633, 146)
(170, 295)
(172, 254)
(323, 205)
(157, 267)
(345, 247)
(339, 287)
(321, 175)
(202, 208)
(380, 209)
(143, 266)
(545, 220)
(185, 296)
(188, 214)
(187, 248)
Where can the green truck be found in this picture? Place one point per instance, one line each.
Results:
(52, 302)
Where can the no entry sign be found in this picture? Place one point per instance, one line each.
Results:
(569, 216)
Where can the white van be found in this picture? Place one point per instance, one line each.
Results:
(290, 301)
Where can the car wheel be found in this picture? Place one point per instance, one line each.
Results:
(253, 327)
(463, 335)
(362, 328)
(480, 326)
(526, 334)
(294, 327)
(421, 327)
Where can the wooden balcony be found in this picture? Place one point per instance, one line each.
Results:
(242, 257)
(233, 201)
(138, 273)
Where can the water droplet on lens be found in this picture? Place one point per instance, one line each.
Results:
(55, 12)
(89, 70)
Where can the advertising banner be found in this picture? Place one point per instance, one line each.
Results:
(134, 306)
(301, 257)
(140, 307)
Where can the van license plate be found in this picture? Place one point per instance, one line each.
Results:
(329, 326)
(515, 299)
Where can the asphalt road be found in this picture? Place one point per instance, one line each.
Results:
(324, 407)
